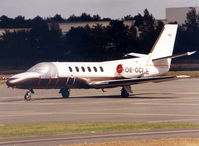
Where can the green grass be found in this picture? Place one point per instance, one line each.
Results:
(17, 130)
(4, 81)
(193, 74)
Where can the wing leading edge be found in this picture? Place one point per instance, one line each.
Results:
(127, 82)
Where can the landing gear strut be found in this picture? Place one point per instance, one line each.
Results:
(27, 96)
(65, 92)
(124, 93)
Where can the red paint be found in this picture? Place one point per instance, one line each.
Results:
(39, 81)
(57, 82)
(49, 81)
(147, 72)
(119, 69)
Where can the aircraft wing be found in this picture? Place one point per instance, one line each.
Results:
(127, 82)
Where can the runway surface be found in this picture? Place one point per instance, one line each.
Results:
(175, 101)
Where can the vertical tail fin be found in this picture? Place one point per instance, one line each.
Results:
(163, 47)
(165, 42)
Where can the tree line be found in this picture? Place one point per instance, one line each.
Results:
(44, 40)
(21, 22)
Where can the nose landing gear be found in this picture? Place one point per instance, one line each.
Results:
(65, 92)
(27, 96)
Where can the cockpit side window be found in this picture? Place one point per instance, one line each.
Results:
(45, 69)
(39, 68)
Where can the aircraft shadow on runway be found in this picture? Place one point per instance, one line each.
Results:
(134, 96)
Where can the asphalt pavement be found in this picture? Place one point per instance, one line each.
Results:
(173, 101)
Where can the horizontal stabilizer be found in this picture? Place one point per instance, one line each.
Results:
(174, 56)
(136, 55)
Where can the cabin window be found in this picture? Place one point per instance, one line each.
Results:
(102, 70)
(70, 69)
(77, 69)
(95, 69)
(89, 69)
(83, 69)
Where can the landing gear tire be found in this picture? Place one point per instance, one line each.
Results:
(124, 93)
(27, 96)
(65, 93)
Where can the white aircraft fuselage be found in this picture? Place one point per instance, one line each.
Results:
(48, 75)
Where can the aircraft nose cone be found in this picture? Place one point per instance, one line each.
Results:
(24, 80)
(10, 82)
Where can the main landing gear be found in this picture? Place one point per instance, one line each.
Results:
(125, 91)
(27, 96)
(65, 92)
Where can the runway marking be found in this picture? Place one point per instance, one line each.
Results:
(67, 102)
(71, 100)
(189, 93)
(137, 114)
(14, 113)
(172, 104)
(100, 135)
(132, 101)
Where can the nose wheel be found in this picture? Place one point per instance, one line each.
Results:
(65, 92)
(27, 95)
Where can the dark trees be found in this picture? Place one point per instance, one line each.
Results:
(44, 41)
(149, 29)
(40, 43)
(188, 34)
(84, 17)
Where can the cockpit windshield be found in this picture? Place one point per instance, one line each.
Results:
(40, 68)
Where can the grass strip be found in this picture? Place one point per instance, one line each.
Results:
(1, 78)
(156, 142)
(193, 74)
(53, 128)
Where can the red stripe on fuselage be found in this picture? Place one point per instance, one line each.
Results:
(57, 82)
(39, 81)
(49, 81)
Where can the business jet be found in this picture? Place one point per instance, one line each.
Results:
(100, 75)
